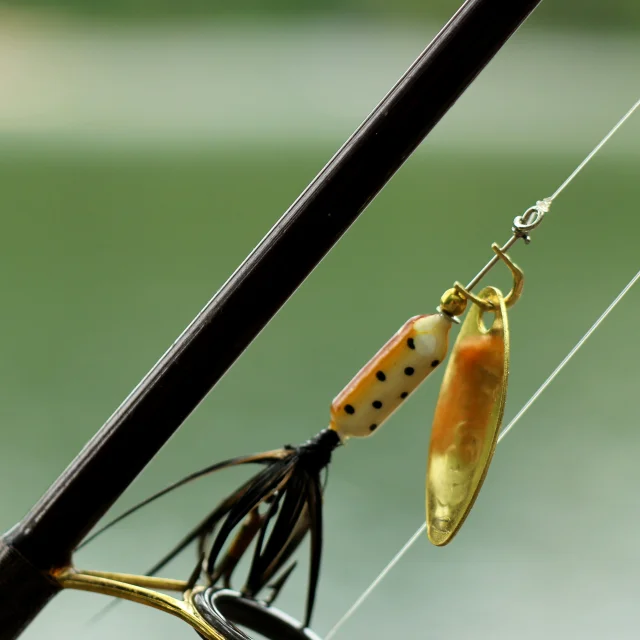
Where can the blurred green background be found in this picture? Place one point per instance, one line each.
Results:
(583, 14)
(147, 147)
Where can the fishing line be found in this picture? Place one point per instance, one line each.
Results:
(597, 148)
(543, 207)
(568, 357)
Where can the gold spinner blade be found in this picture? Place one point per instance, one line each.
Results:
(467, 418)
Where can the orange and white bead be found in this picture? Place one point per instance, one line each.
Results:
(397, 370)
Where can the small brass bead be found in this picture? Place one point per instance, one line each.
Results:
(453, 302)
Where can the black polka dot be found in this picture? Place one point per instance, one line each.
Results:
(380, 375)
(377, 404)
(349, 409)
(409, 371)
(435, 363)
(404, 394)
(373, 427)
(411, 344)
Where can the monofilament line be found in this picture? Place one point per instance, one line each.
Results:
(381, 576)
(568, 357)
(504, 432)
(597, 148)
(533, 216)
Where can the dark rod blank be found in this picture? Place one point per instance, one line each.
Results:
(156, 408)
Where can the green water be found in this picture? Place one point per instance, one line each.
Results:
(105, 259)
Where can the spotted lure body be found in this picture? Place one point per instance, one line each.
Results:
(382, 385)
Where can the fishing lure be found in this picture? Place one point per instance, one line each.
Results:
(278, 506)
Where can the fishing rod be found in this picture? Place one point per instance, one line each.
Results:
(35, 551)
(281, 504)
